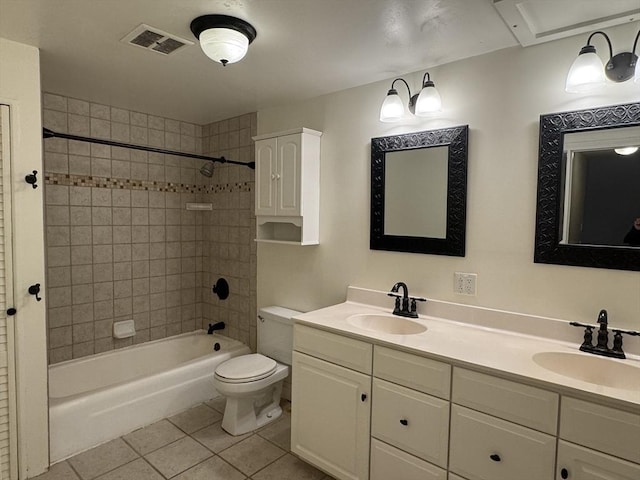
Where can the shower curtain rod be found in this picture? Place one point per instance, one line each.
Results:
(46, 133)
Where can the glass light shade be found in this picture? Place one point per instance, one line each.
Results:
(392, 109)
(626, 150)
(586, 74)
(429, 101)
(224, 45)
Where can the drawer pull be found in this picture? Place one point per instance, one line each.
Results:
(564, 473)
(363, 397)
(404, 422)
(495, 457)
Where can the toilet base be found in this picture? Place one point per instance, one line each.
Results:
(246, 414)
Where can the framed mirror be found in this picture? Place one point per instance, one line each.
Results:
(588, 207)
(419, 192)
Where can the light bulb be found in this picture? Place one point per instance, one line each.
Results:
(429, 100)
(586, 73)
(392, 109)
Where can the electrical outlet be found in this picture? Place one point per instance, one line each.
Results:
(465, 283)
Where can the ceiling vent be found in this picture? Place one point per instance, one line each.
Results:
(155, 40)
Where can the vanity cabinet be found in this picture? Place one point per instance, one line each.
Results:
(597, 442)
(361, 411)
(331, 402)
(287, 187)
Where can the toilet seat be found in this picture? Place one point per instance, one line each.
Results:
(246, 368)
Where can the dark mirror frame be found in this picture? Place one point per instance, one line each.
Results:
(553, 128)
(456, 138)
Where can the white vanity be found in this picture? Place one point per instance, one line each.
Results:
(463, 400)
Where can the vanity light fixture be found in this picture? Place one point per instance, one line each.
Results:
(587, 73)
(420, 104)
(223, 39)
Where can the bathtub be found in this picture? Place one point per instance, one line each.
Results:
(98, 398)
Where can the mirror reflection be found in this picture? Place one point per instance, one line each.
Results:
(416, 192)
(601, 192)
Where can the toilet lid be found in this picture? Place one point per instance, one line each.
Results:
(246, 368)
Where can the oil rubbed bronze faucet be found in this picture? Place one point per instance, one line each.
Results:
(602, 344)
(402, 307)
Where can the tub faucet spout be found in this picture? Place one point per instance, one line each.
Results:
(215, 326)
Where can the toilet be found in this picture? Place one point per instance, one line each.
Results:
(252, 384)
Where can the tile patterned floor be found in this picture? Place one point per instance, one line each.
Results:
(192, 446)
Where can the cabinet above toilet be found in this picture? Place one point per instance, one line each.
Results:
(287, 192)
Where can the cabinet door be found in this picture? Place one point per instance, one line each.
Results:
(579, 463)
(266, 152)
(330, 417)
(288, 175)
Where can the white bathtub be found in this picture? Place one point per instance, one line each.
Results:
(98, 398)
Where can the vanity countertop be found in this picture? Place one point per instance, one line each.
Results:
(478, 346)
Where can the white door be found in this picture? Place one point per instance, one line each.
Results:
(330, 417)
(8, 437)
(289, 175)
(266, 151)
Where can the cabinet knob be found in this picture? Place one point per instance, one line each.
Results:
(273, 176)
(564, 473)
(363, 397)
(404, 422)
(495, 457)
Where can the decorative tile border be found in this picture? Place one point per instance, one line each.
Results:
(125, 183)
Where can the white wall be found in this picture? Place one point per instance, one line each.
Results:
(501, 96)
(20, 89)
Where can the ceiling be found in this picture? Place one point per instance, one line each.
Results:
(304, 48)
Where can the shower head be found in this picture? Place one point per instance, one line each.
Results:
(207, 169)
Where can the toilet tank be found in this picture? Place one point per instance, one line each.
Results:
(275, 333)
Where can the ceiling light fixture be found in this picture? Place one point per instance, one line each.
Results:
(223, 39)
(420, 104)
(626, 150)
(587, 73)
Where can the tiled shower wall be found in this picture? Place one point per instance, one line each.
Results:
(121, 244)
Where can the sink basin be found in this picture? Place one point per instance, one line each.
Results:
(592, 369)
(391, 324)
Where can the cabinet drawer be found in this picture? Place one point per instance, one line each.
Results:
(388, 462)
(413, 371)
(348, 352)
(521, 404)
(487, 448)
(410, 420)
(606, 429)
(580, 463)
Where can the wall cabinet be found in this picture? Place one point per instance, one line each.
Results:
(432, 421)
(287, 187)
